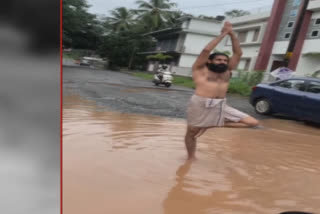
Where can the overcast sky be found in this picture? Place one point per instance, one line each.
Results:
(199, 7)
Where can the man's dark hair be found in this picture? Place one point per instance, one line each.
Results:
(213, 55)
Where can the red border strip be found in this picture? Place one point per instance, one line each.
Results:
(61, 111)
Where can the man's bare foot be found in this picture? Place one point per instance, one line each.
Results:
(193, 158)
(258, 127)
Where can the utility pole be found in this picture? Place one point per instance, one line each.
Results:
(296, 30)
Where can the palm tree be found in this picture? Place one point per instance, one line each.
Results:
(174, 19)
(121, 20)
(154, 13)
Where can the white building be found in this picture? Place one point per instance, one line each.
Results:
(186, 42)
(306, 54)
(250, 30)
(264, 39)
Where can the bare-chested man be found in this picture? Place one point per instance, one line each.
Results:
(207, 107)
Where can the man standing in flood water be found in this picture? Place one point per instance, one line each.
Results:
(207, 108)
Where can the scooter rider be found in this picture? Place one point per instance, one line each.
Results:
(161, 70)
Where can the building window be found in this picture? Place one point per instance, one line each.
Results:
(296, 3)
(317, 21)
(290, 24)
(287, 35)
(242, 36)
(246, 66)
(314, 33)
(256, 35)
(293, 12)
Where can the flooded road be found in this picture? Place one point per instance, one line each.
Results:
(124, 163)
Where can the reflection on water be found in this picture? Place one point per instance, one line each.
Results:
(119, 163)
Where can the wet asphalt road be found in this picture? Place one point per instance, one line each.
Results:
(123, 92)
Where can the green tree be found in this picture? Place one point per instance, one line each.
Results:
(154, 14)
(121, 49)
(174, 19)
(206, 17)
(236, 13)
(80, 28)
(159, 57)
(121, 19)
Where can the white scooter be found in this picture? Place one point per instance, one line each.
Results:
(163, 76)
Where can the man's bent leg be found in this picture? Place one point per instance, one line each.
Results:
(243, 123)
(249, 121)
(190, 141)
(238, 119)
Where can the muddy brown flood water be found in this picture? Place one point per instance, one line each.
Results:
(117, 163)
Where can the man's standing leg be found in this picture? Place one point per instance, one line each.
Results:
(191, 140)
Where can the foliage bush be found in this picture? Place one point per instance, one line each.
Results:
(245, 80)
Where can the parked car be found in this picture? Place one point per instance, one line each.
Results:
(295, 97)
(85, 62)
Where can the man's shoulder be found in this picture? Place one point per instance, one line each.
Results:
(201, 69)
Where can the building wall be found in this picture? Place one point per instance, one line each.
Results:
(307, 65)
(289, 15)
(314, 5)
(281, 43)
(311, 46)
(180, 44)
(194, 43)
(205, 26)
(314, 27)
(249, 47)
(190, 44)
(182, 71)
(280, 47)
(187, 60)
(167, 44)
(250, 28)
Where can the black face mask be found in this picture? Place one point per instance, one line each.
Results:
(218, 68)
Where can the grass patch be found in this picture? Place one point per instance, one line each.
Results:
(72, 55)
(183, 81)
(143, 75)
(67, 56)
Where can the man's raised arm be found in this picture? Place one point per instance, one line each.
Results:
(236, 49)
(204, 55)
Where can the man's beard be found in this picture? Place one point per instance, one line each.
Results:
(218, 68)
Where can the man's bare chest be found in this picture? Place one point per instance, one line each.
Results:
(218, 77)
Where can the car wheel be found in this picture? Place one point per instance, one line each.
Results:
(168, 85)
(262, 106)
